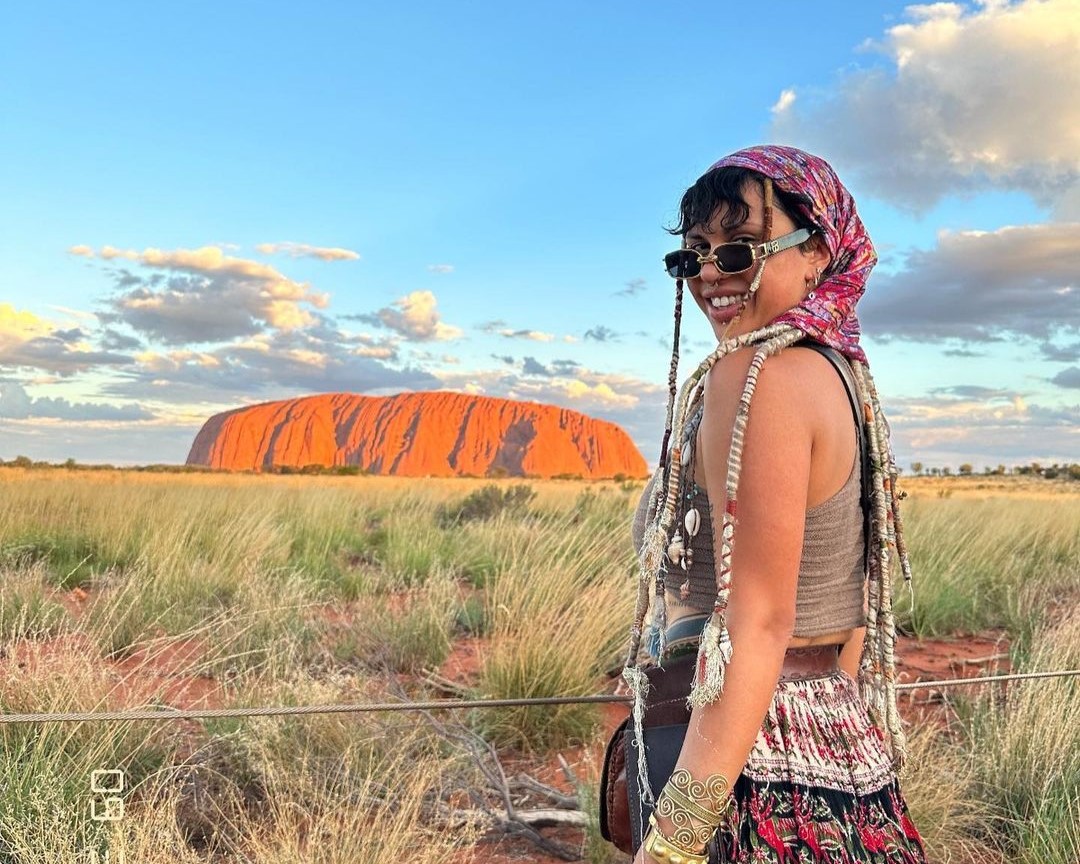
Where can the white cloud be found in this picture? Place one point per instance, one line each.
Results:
(16, 325)
(1069, 377)
(16, 404)
(531, 335)
(208, 296)
(81, 251)
(380, 352)
(269, 365)
(601, 393)
(30, 342)
(75, 313)
(979, 285)
(976, 97)
(306, 250)
(441, 268)
(786, 100)
(415, 317)
(999, 428)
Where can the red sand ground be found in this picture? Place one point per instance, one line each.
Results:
(162, 673)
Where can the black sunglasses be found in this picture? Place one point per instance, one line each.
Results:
(730, 257)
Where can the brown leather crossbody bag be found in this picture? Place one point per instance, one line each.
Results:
(667, 715)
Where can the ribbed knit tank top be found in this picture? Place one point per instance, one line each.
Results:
(829, 596)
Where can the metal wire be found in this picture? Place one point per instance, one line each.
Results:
(166, 713)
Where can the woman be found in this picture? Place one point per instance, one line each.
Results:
(787, 758)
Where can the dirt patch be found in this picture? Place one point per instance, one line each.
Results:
(158, 674)
(964, 655)
(163, 673)
(462, 666)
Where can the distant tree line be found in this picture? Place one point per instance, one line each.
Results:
(496, 473)
(1057, 471)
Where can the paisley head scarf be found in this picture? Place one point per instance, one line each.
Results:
(829, 314)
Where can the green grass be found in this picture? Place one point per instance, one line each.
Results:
(992, 563)
(320, 589)
(26, 609)
(1026, 750)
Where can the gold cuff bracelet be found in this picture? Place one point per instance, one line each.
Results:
(695, 808)
(660, 848)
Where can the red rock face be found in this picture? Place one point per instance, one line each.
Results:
(417, 435)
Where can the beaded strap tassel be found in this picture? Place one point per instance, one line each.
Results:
(715, 650)
(657, 535)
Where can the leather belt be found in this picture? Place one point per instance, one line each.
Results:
(811, 662)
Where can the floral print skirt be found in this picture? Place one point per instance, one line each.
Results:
(818, 786)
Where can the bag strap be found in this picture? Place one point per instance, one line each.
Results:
(843, 368)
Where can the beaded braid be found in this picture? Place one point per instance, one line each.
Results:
(658, 485)
(660, 615)
(877, 665)
(655, 568)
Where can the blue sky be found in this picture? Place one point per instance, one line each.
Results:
(219, 204)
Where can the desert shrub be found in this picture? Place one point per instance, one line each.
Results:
(72, 559)
(558, 612)
(937, 780)
(486, 503)
(25, 609)
(472, 617)
(404, 631)
(44, 798)
(333, 776)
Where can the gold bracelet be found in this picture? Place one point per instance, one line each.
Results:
(695, 808)
(661, 849)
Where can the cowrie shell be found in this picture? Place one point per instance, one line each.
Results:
(675, 550)
(692, 521)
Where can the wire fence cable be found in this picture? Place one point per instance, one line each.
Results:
(167, 713)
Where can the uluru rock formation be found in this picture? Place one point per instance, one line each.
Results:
(417, 435)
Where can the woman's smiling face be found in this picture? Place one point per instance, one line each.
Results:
(722, 296)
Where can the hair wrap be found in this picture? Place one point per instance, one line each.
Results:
(830, 316)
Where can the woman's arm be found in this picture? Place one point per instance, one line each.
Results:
(851, 653)
(770, 519)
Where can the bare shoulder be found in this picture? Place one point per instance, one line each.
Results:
(786, 381)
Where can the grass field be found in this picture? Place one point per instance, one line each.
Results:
(287, 590)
